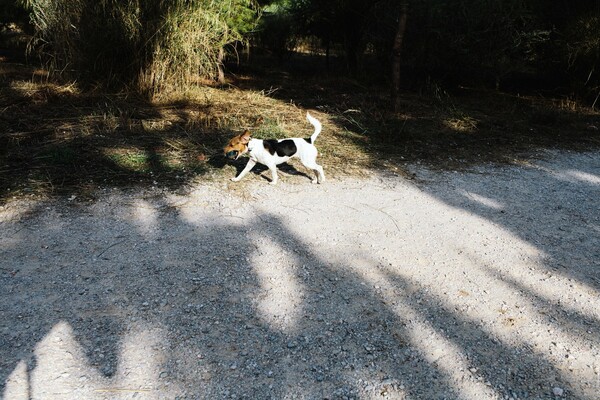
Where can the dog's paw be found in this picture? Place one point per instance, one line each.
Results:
(235, 179)
(273, 183)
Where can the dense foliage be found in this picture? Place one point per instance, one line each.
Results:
(508, 44)
(147, 45)
(150, 45)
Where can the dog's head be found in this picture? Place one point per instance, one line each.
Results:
(237, 146)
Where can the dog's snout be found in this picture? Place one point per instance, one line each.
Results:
(232, 154)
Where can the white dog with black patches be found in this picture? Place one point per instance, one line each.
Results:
(272, 152)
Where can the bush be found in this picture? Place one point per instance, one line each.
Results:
(148, 46)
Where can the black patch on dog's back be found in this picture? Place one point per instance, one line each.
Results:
(285, 148)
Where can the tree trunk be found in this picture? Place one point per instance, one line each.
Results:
(220, 70)
(327, 48)
(352, 51)
(397, 55)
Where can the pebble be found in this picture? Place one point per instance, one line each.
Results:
(557, 391)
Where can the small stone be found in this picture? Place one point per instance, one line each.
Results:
(557, 391)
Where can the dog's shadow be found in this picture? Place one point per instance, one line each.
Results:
(239, 164)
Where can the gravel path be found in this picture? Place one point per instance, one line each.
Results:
(454, 285)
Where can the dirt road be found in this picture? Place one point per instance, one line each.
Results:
(457, 285)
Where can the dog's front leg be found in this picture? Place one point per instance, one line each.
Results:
(249, 166)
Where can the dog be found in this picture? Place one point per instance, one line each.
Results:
(272, 152)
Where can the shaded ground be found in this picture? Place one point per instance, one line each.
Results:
(458, 285)
(55, 139)
(450, 254)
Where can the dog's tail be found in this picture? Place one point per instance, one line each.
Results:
(315, 122)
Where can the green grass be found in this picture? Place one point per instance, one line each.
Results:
(133, 161)
(60, 156)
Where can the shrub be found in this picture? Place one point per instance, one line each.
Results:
(145, 45)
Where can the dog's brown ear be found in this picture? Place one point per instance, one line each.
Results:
(246, 136)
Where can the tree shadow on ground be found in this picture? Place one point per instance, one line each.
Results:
(454, 129)
(201, 284)
(56, 140)
(545, 203)
(74, 144)
(287, 319)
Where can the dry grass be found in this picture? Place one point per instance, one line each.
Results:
(147, 46)
(56, 139)
(231, 110)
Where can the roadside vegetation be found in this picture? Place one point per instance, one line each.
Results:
(147, 95)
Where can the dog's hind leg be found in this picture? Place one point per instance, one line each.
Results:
(309, 159)
(319, 173)
(318, 170)
(274, 177)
